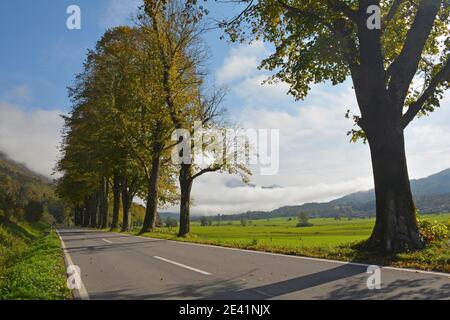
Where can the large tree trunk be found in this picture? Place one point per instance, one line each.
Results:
(93, 208)
(116, 202)
(185, 199)
(396, 224)
(78, 219)
(127, 200)
(104, 203)
(151, 211)
(86, 212)
(76, 215)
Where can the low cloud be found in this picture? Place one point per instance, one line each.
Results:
(212, 195)
(30, 137)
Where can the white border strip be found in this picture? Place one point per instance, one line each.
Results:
(183, 266)
(80, 294)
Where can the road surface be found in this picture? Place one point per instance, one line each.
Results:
(117, 266)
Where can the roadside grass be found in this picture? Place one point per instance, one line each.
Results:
(328, 239)
(31, 263)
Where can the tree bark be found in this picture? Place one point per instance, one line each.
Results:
(396, 224)
(127, 200)
(116, 202)
(77, 215)
(104, 203)
(86, 212)
(151, 211)
(93, 208)
(185, 179)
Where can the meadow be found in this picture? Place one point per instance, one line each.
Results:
(282, 232)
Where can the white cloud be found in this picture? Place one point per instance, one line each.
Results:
(119, 12)
(241, 62)
(30, 137)
(427, 139)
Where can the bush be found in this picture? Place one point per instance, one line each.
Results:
(433, 231)
(304, 224)
(6, 238)
(303, 220)
(34, 211)
(19, 214)
(204, 221)
(171, 222)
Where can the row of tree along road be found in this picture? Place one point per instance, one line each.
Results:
(139, 86)
(141, 83)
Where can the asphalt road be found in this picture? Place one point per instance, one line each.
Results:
(116, 266)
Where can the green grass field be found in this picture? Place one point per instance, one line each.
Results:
(31, 263)
(327, 238)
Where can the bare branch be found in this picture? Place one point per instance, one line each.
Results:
(211, 168)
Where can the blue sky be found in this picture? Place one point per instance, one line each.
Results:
(40, 53)
(40, 57)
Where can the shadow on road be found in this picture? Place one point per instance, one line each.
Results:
(420, 289)
(114, 247)
(292, 285)
(234, 289)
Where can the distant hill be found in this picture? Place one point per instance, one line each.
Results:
(431, 195)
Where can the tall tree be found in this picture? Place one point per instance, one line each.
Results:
(177, 27)
(116, 201)
(147, 127)
(93, 148)
(400, 68)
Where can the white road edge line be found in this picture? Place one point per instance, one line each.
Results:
(442, 274)
(82, 292)
(183, 266)
(107, 241)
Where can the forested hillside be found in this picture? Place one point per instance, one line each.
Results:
(25, 194)
(16, 178)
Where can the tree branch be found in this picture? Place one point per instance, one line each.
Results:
(404, 68)
(211, 168)
(295, 12)
(340, 6)
(392, 11)
(414, 109)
